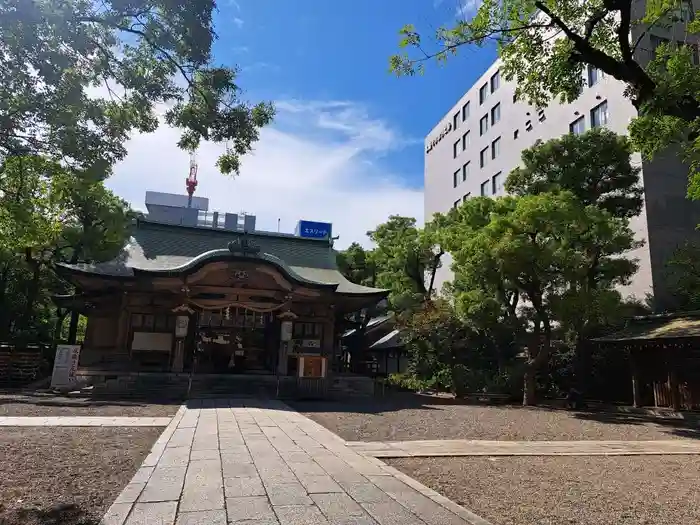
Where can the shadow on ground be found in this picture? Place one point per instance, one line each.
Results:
(64, 514)
(49, 399)
(688, 427)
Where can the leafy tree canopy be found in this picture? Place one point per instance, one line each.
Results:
(544, 46)
(77, 77)
(595, 166)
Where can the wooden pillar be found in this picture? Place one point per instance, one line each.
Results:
(123, 327)
(673, 386)
(636, 394)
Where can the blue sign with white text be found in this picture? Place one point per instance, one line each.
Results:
(314, 230)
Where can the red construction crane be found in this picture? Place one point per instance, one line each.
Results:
(191, 181)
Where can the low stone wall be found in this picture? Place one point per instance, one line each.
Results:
(20, 365)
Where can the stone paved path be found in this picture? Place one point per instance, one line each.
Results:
(83, 421)
(463, 447)
(261, 463)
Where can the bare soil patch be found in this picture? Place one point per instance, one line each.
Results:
(629, 490)
(47, 404)
(423, 417)
(66, 475)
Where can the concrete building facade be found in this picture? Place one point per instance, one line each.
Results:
(473, 148)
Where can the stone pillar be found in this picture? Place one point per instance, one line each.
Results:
(282, 359)
(179, 358)
(673, 386)
(636, 394)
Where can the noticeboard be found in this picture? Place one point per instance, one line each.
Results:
(314, 230)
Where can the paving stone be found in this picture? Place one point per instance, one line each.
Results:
(175, 457)
(365, 492)
(162, 513)
(198, 455)
(319, 484)
(287, 494)
(234, 450)
(354, 520)
(205, 517)
(391, 485)
(300, 515)
(239, 470)
(130, 493)
(228, 442)
(243, 487)
(116, 514)
(165, 484)
(307, 467)
(276, 475)
(182, 437)
(203, 488)
(392, 513)
(337, 505)
(142, 475)
(252, 508)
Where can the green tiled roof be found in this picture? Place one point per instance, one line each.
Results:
(657, 327)
(166, 248)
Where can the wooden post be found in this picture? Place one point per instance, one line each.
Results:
(636, 394)
(673, 386)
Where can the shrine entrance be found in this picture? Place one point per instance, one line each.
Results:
(236, 341)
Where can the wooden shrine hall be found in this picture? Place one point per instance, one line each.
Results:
(221, 298)
(664, 354)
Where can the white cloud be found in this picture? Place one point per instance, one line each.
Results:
(319, 161)
(467, 8)
(238, 21)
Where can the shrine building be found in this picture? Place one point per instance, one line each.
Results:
(203, 291)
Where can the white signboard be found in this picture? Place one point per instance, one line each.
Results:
(286, 332)
(65, 365)
(181, 324)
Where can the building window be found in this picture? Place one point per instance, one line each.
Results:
(465, 111)
(485, 188)
(495, 113)
(495, 81)
(455, 148)
(484, 124)
(528, 126)
(515, 134)
(496, 184)
(464, 199)
(599, 115)
(578, 126)
(457, 203)
(593, 76)
(465, 171)
(541, 116)
(455, 120)
(515, 98)
(496, 148)
(455, 179)
(483, 157)
(483, 93)
(466, 141)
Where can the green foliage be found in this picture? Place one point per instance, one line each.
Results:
(357, 265)
(78, 77)
(595, 166)
(406, 257)
(684, 272)
(545, 46)
(49, 215)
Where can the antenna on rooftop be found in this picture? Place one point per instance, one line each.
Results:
(191, 180)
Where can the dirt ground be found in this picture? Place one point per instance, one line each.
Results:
(47, 404)
(423, 417)
(629, 490)
(66, 476)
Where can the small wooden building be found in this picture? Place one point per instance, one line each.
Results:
(664, 353)
(240, 302)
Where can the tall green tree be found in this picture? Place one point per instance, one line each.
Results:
(684, 272)
(407, 258)
(78, 77)
(357, 265)
(545, 46)
(528, 254)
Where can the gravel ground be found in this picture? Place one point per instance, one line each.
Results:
(426, 418)
(630, 490)
(51, 405)
(66, 476)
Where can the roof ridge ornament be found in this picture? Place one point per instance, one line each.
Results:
(242, 244)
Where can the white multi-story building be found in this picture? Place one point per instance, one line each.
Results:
(474, 147)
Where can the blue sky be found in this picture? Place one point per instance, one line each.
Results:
(347, 144)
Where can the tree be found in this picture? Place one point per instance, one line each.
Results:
(143, 55)
(49, 214)
(357, 265)
(684, 271)
(595, 166)
(529, 254)
(406, 258)
(544, 45)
